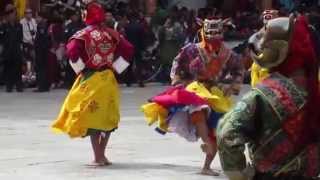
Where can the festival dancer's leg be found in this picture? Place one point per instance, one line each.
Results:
(95, 142)
(206, 170)
(209, 147)
(199, 119)
(104, 139)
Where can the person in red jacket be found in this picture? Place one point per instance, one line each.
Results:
(92, 105)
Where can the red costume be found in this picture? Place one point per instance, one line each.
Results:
(97, 45)
(92, 105)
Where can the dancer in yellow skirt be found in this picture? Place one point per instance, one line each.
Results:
(92, 105)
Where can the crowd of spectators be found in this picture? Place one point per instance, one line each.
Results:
(32, 51)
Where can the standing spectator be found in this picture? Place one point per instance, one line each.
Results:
(135, 33)
(110, 20)
(116, 23)
(1, 46)
(42, 44)
(29, 27)
(75, 25)
(171, 38)
(56, 38)
(12, 41)
(123, 23)
(143, 21)
(191, 28)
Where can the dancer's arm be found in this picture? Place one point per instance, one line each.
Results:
(180, 70)
(75, 50)
(233, 132)
(124, 49)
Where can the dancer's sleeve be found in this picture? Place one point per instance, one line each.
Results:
(124, 49)
(76, 50)
(235, 129)
(180, 66)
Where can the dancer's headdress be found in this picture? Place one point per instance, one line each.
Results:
(94, 12)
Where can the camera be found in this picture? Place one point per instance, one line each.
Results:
(32, 32)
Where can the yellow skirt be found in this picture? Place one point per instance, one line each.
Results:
(215, 97)
(92, 103)
(218, 102)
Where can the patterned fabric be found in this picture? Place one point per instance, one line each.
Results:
(92, 103)
(172, 109)
(267, 118)
(282, 95)
(191, 71)
(100, 45)
(193, 63)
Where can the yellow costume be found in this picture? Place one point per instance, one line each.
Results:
(217, 101)
(92, 103)
(153, 113)
(215, 97)
(257, 74)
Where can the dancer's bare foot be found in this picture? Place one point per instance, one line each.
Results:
(209, 172)
(97, 164)
(207, 148)
(107, 162)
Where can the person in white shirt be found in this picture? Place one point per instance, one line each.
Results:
(29, 26)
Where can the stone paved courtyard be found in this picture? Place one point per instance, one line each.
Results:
(29, 150)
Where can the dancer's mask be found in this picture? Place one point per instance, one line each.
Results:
(270, 45)
(213, 29)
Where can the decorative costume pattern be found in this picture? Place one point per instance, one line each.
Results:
(92, 104)
(196, 74)
(278, 118)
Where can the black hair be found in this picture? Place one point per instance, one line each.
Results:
(3, 4)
